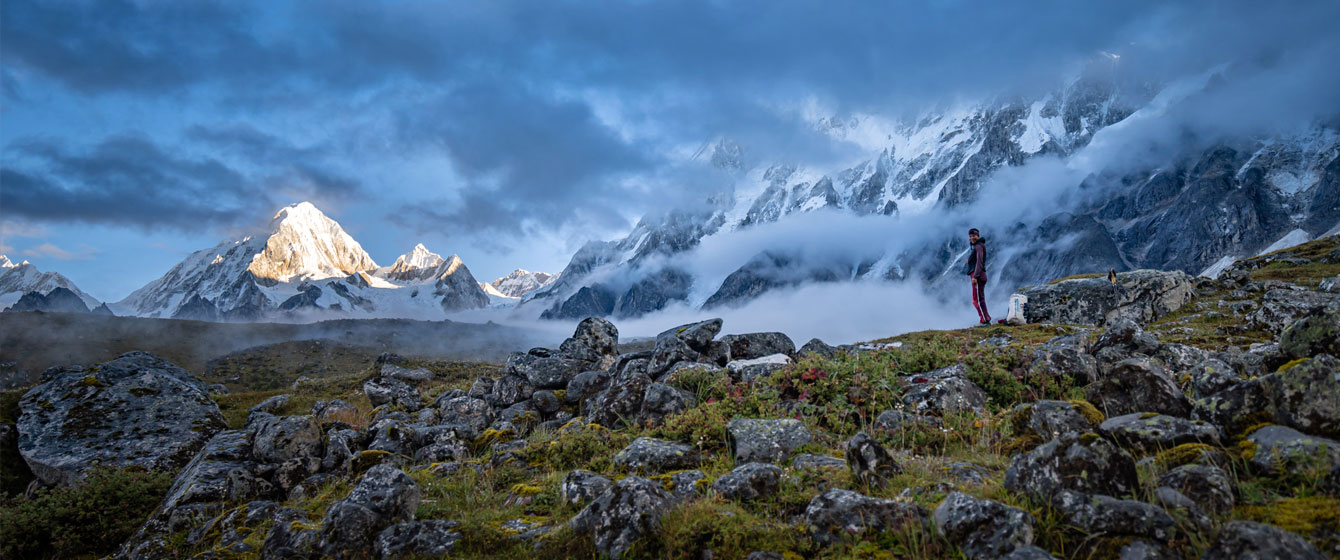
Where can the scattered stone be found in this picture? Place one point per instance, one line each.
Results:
(983, 528)
(757, 345)
(387, 390)
(1143, 295)
(136, 410)
(383, 496)
(837, 515)
(1094, 513)
(334, 410)
(651, 456)
(1252, 541)
(1212, 376)
(870, 463)
(553, 373)
(1209, 487)
(757, 369)
(1236, 408)
(1048, 419)
(271, 405)
(749, 482)
(669, 350)
(816, 347)
(1084, 463)
(1149, 432)
(1126, 334)
(580, 487)
(1281, 308)
(1180, 357)
(417, 539)
(1141, 550)
(946, 395)
(698, 336)
(893, 421)
(683, 484)
(663, 400)
(628, 511)
(1278, 449)
(585, 385)
(968, 473)
(595, 341)
(1138, 385)
(619, 405)
(809, 461)
(1029, 552)
(1306, 396)
(481, 388)
(510, 389)
(1065, 360)
(276, 439)
(765, 440)
(416, 375)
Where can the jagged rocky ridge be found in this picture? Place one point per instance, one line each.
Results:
(1177, 409)
(1189, 212)
(305, 267)
(21, 280)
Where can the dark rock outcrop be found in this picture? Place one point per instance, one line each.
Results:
(1081, 462)
(983, 528)
(770, 441)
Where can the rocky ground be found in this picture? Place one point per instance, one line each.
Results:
(1162, 416)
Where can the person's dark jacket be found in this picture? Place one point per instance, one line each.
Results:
(976, 266)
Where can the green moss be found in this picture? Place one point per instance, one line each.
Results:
(1148, 415)
(1184, 454)
(367, 459)
(1305, 516)
(1291, 364)
(1088, 411)
(526, 489)
(91, 381)
(1089, 437)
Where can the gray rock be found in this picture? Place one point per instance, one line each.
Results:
(1068, 360)
(1084, 463)
(698, 336)
(1179, 358)
(481, 388)
(1094, 513)
(749, 482)
(383, 496)
(509, 390)
(417, 539)
(967, 473)
(585, 385)
(627, 512)
(553, 373)
(870, 463)
(595, 341)
(810, 461)
(291, 537)
(1330, 285)
(983, 528)
(1138, 385)
(757, 369)
(669, 350)
(341, 445)
(1282, 450)
(619, 405)
(816, 347)
(1237, 407)
(271, 405)
(1246, 540)
(946, 395)
(1142, 295)
(135, 410)
(661, 400)
(1212, 376)
(545, 402)
(757, 345)
(390, 435)
(838, 515)
(1209, 487)
(415, 375)
(1149, 433)
(275, 439)
(767, 440)
(1029, 552)
(438, 444)
(1281, 308)
(1306, 396)
(1126, 334)
(764, 555)
(580, 487)
(387, 390)
(651, 456)
(1049, 419)
(328, 411)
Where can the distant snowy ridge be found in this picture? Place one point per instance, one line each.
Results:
(22, 278)
(521, 282)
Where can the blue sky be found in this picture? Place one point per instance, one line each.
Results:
(135, 132)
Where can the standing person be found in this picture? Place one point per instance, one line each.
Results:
(976, 270)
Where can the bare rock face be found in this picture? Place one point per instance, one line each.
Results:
(768, 440)
(628, 511)
(383, 497)
(749, 481)
(1141, 295)
(1245, 539)
(983, 528)
(1138, 384)
(839, 514)
(135, 410)
(1084, 463)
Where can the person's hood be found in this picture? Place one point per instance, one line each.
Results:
(980, 241)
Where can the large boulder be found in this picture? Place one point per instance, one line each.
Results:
(1081, 462)
(837, 515)
(276, 439)
(1209, 487)
(768, 440)
(668, 351)
(1149, 433)
(757, 345)
(619, 405)
(579, 487)
(1069, 360)
(1098, 514)
(1306, 396)
(698, 336)
(983, 528)
(1138, 384)
(594, 341)
(627, 512)
(1282, 307)
(661, 400)
(869, 462)
(1283, 450)
(1237, 407)
(944, 395)
(553, 373)
(757, 369)
(749, 481)
(651, 456)
(1247, 540)
(1049, 419)
(1125, 334)
(389, 390)
(510, 389)
(469, 415)
(136, 410)
(1318, 332)
(585, 385)
(417, 539)
(383, 497)
(410, 375)
(1142, 295)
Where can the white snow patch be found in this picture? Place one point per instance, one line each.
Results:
(778, 359)
(1295, 237)
(1219, 266)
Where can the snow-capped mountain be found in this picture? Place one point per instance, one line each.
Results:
(1185, 212)
(521, 282)
(23, 278)
(306, 265)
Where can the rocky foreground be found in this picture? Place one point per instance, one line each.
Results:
(1160, 416)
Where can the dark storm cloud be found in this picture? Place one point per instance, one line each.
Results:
(129, 180)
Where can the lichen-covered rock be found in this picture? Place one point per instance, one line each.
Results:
(1238, 407)
(1212, 376)
(594, 341)
(767, 440)
(334, 410)
(1180, 357)
(810, 461)
(437, 444)
(1084, 463)
(627, 512)
(291, 536)
(684, 485)
(509, 390)
(1049, 419)
(698, 336)
(1126, 334)
(271, 405)
(663, 400)
(1209, 487)
(481, 388)
(1281, 308)
(757, 345)
(1143, 295)
(585, 385)
(581, 486)
(411, 375)
(1247, 540)
(869, 462)
(1279, 449)
(1306, 396)
(1149, 433)
(983, 528)
(945, 395)
(967, 473)
(837, 515)
(275, 439)
(651, 456)
(757, 369)
(748, 482)
(1065, 360)
(1138, 385)
(1094, 513)
(816, 347)
(619, 405)
(893, 421)
(669, 350)
(417, 539)
(383, 496)
(1029, 552)
(136, 410)
(1141, 550)
(388, 390)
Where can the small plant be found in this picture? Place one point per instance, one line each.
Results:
(91, 518)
